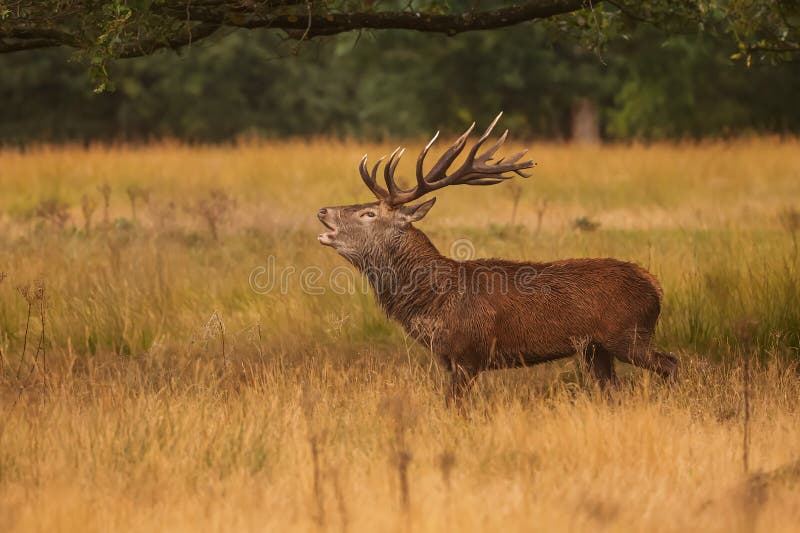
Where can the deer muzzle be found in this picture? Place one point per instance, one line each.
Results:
(329, 237)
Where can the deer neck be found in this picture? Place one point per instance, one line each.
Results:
(408, 277)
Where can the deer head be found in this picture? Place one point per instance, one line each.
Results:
(362, 230)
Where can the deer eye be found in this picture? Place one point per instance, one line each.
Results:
(369, 214)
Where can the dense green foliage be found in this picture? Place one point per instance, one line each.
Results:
(402, 84)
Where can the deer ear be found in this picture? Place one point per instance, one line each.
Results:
(412, 213)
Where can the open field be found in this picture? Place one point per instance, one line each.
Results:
(172, 364)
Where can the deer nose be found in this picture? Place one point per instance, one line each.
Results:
(322, 212)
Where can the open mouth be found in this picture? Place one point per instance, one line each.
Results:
(327, 238)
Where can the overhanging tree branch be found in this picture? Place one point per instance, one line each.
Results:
(450, 24)
(196, 20)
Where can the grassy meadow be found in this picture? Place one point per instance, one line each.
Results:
(186, 356)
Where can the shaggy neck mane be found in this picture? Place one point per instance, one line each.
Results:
(408, 276)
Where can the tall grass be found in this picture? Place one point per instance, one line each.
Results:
(175, 397)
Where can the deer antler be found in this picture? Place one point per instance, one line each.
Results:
(476, 169)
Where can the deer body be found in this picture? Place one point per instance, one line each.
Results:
(493, 313)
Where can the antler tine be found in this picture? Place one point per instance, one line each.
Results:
(430, 143)
(371, 181)
(489, 129)
(388, 168)
(509, 164)
(388, 173)
(422, 155)
(476, 170)
(513, 158)
(438, 171)
(487, 155)
(374, 175)
(470, 161)
(488, 181)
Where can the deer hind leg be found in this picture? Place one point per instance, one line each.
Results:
(667, 365)
(601, 363)
(636, 350)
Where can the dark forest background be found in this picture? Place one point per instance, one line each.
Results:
(402, 84)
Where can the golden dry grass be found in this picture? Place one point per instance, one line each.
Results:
(169, 395)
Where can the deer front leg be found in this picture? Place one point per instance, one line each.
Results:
(461, 381)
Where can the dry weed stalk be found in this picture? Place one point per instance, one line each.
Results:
(790, 220)
(3, 276)
(35, 296)
(746, 421)
(745, 330)
(319, 497)
(116, 242)
(88, 207)
(315, 436)
(585, 224)
(214, 209)
(53, 211)
(514, 189)
(403, 460)
(447, 462)
(259, 326)
(105, 191)
(215, 327)
(135, 193)
(162, 215)
(43, 318)
(335, 324)
(403, 412)
(540, 210)
(254, 336)
(24, 291)
(583, 349)
(341, 503)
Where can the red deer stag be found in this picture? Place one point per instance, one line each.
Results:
(492, 313)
